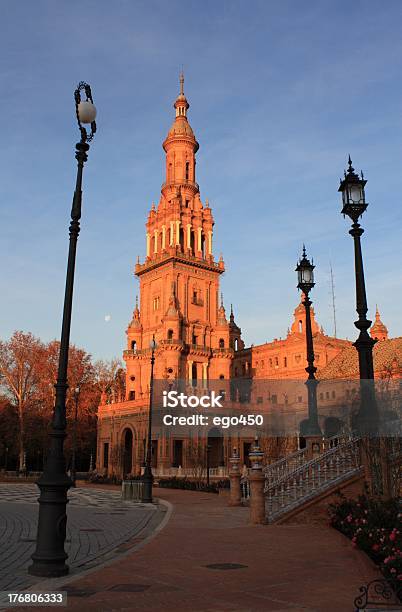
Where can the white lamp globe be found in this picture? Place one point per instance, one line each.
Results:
(86, 112)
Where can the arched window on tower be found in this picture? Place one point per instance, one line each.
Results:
(133, 346)
(300, 327)
(170, 173)
(182, 238)
(221, 343)
(170, 334)
(203, 244)
(236, 344)
(187, 171)
(192, 242)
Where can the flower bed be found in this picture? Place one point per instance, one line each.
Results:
(375, 527)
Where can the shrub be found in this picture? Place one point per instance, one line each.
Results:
(375, 527)
(193, 485)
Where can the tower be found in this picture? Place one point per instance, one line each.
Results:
(378, 330)
(179, 278)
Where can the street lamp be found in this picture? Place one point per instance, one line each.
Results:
(76, 399)
(148, 476)
(305, 277)
(49, 558)
(354, 205)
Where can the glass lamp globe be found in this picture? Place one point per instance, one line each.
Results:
(86, 111)
(152, 344)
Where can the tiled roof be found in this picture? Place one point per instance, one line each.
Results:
(346, 363)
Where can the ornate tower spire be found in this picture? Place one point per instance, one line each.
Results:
(378, 330)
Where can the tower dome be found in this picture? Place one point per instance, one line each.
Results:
(378, 330)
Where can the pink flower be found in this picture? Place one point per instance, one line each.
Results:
(349, 518)
(392, 536)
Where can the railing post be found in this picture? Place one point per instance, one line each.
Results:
(257, 479)
(234, 476)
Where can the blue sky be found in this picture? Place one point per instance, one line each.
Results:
(280, 94)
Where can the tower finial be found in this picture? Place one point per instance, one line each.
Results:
(182, 82)
(221, 300)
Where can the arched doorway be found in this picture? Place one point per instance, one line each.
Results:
(127, 452)
(215, 448)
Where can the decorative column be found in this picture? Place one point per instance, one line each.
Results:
(148, 245)
(163, 237)
(190, 370)
(257, 480)
(189, 235)
(177, 232)
(199, 238)
(234, 475)
(155, 241)
(210, 242)
(171, 233)
(204, 374)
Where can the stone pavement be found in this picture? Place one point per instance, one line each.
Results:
(207, 558)
(99, 524)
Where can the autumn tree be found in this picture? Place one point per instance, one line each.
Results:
(19, 360)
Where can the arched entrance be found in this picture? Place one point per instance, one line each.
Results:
(127, 452)
(215, 444)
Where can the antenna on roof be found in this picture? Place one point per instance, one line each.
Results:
(333, 297)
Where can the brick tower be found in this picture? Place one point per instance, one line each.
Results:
(179, 279)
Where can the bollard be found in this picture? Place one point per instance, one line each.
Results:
(234, 475)
(257, 481)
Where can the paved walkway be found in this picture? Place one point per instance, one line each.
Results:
(99, 524)
(279, 568)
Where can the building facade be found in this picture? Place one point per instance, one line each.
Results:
(181, 307)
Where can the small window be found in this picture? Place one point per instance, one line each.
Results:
(259, 400)
(270, 363)
(156, 303)
(131, 395)
(274, 399)
(187, 171)
(221, 377)
(321, 396)
(132, 378)
(187, 203)
(285, 362)
(170, 334)
(276, 362)
(221, 343)
(333, 394)
(133, 346)
(300, 327)
(327, 395)
(299, 399)
(170, 370)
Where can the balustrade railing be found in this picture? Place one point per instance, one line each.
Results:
(276, 471)
(311, 478)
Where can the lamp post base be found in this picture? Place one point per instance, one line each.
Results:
(147, 480)
(49, 558)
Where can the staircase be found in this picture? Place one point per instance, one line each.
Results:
(293, 481)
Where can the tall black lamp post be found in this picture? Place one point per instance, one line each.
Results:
(49, 558)
(74, 445)
(148, 476)
(354, 205)
(305, 276)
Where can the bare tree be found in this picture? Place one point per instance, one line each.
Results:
(108, 379)
(20, 359)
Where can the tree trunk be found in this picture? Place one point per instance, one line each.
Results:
(21, 435)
